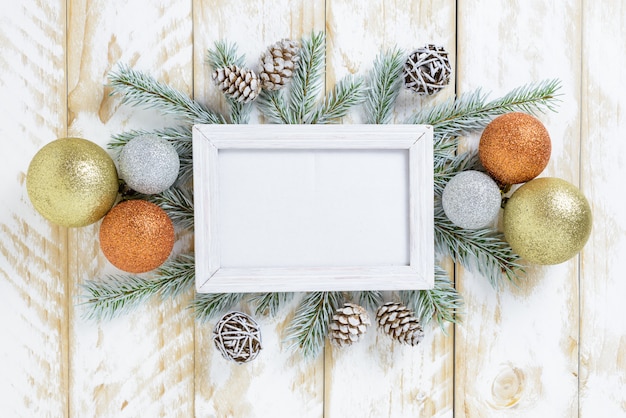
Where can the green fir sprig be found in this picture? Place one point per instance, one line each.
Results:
(269, 303)
(208, 306)
(348, 93)
(384, 83)
(307, 82)
(117, 294)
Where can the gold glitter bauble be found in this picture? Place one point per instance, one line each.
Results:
(515, 148)
(136, 236)
(72, 182)
(547, 221)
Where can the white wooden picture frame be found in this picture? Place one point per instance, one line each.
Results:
(285, 208)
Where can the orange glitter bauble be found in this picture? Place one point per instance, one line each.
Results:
(136, 236)
(515, 148)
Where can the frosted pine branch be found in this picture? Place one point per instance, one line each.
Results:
(385, 81)
(273, 106)
(269, 303)
(209, 305)
(471, 112)
(370, 299)
(309, 326)
(178, 204)
(347, 93)
(307, 82)
(139, 89)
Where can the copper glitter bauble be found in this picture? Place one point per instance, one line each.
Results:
(547, 221)
(72, 182)
(136, 236)
(514, 148)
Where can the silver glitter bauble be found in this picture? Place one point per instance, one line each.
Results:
(471, 200)
(148, 164)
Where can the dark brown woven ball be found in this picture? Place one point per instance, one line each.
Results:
(427, 70)
(238, 337)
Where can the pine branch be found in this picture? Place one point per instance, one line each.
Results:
(483, 250)
(385, 81)
(269, 303)
(224, 54)
(272, 105)
(177, 203)
(470, 112)
(307, 81)
(208, 305)
(442, 303)
(371, 299)
(115, 295)
(309, 326)
(347, 93)
(140, 89)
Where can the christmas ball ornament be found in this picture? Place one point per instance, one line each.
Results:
(514, 148)
(238, 337)
(136, 236)
(149, 164)
(547, 221)
(239, 84)
(471, 200)
(348, 325)
(399, 322)
(427, 70)
(72, 182)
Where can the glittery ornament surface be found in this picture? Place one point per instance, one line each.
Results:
(515, 148)
(471, 200)
(149, 164)
(547, 221)
(72, 182)
(136, 236)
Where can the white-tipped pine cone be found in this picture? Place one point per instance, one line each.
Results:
(427, 70)
(237, 83)
(278, 64)
(348, 325)
(399, 322)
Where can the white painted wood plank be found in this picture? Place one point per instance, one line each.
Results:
(602, 286)
(378, 378)
(516, 353)
(33, 274)
(277, 383)
(140, 364)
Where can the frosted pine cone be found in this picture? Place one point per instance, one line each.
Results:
(278, 64)
(237, 83)
(427, 70)
(348, 325)
(399, 322)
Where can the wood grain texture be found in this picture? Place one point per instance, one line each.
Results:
(140, 364)
(376, 378)
(33, 273)
(516, 353)
(279, 382)
(602, 287)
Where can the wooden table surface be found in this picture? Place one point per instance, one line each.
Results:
(553, 347)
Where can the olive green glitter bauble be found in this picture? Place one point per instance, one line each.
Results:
(547, 221)
(72, 182)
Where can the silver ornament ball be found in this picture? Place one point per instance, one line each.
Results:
(148, 164)
(471, 200)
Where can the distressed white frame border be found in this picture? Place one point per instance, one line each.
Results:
(212, 278)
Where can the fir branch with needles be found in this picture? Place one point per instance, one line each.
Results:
(385, 81)
(273, 106)
(442, 303)
(178, 204)
(307, 81)
(209, 305)
(309, 326)
(224, 54)
(140, 89)
(269, 303)
(115, 295)
(348, 93)
(470, 112)
(370, 299)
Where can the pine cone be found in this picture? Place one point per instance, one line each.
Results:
(399, 322)
(237, 83)
(348, 325)
(278, 64)
(427, 70)
(238, 337)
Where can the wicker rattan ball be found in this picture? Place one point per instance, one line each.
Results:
(238, 337)
(427, 70)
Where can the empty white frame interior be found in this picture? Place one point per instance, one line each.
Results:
(313, 207)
